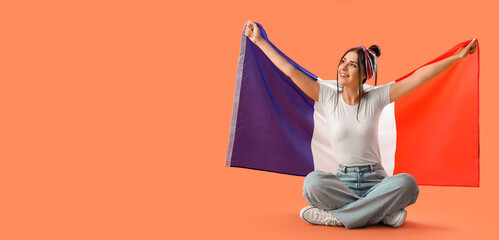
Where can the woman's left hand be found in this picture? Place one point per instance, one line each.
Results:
(469, 49)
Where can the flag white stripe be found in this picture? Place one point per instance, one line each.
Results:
(387, 137)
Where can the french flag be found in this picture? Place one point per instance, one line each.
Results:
(432, 133)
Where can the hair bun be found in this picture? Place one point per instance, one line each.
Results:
(376, 50)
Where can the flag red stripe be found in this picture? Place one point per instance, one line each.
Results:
(437, 126)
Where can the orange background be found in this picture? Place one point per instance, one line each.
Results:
(115, 115)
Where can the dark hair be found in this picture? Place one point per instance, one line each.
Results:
(361, 60)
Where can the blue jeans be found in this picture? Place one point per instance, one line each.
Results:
(360, 195)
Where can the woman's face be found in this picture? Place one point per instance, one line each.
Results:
(348, 71)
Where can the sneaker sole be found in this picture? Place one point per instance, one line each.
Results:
(401, 220)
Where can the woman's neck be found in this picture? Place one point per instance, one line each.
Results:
(351, 95)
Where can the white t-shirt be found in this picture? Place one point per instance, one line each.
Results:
(354, 142)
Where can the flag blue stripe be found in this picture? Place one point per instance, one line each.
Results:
(272, 124)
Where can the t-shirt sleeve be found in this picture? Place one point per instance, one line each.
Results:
(326, 93)
(382, 95)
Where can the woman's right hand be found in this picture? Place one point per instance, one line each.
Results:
(253, 32)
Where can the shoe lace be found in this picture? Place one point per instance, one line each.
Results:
(326, 217)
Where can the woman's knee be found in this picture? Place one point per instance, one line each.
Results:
(409, 189)
(407, 182)
(313, 183)
(317, 190)
(312, 180)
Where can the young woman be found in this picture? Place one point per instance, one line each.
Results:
(360, 193)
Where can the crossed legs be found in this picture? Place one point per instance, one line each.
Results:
(326, 191)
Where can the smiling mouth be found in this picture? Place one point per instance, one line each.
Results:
(343, 75)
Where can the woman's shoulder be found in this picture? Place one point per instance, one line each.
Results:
(377, 89)
(329, 83)
(380, 93)
(328, 90)
(328, 87)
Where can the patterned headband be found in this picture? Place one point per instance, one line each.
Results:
(370, 63)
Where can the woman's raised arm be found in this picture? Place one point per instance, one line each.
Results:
(308, 85)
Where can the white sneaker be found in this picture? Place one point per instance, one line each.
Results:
(318, 216)
(395, 219)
